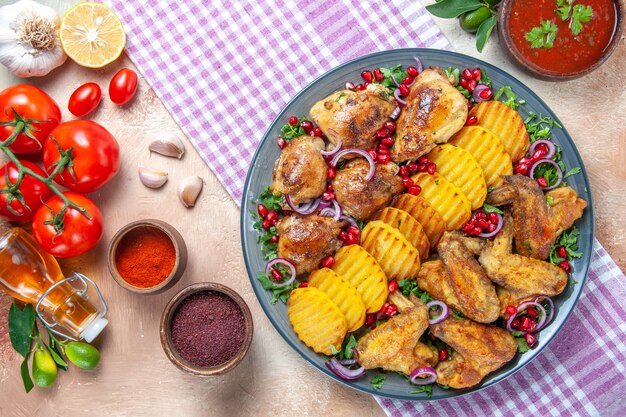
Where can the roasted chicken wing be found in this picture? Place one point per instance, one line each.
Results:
(435, 111)
(479, 350)
(360, 198)
(353, 117)
(300, 170)
(565, 208)
(306, 240)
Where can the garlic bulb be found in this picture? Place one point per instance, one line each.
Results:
(29, 39)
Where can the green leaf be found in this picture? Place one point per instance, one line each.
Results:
(573, 171)
(378, 381)
(542, 36)
(484, 31)
(428, 389)
(522, 346)
(488, 208)
(21, 327)
(28, 382)
(56, 355)
(448, 9)
(580, 14)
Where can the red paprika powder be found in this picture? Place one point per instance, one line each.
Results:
(145, 257)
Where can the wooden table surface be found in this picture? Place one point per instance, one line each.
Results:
(135, 378)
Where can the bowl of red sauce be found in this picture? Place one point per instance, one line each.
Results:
(558, 40)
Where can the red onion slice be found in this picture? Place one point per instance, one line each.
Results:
(416, 376)
(285, 262)
(444, 311)
(396, 95)
(551, 147)
(522, 307)
(497, 229)
(346, 362)
(418, 64)
(305, 208)
(531, 173)
(476, 93)
(344, 372)
(350, 220)
(334, 150)
(393, 78)
(394, 115)
(327, 212)
(324, 203)
(540, 300)
(360, 152)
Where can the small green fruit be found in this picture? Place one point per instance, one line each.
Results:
(82, 355)
(470, 21)
(44, 368)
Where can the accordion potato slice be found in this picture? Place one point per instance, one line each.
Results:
(408, 226)
(460, 168)
(506, 124)
(317, 321)
(342, 293)
(361, 270)
(488, 150)
(445, 197)
(430, 219)
(393, 252)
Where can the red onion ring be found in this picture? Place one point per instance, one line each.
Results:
(548, 143)
(360, 152)
(285, 262)
(323, 204)
(394, 80)
(334, 150)
(346, 362)
(394, 115)
(531, 173)
(344, 372)
(305, 208)
(497, 229)
(396, 95)
(424, 370)
(327, 212)
(444, 311)
(540, 300)
(418, 64)
(476, 93)
(349, 220)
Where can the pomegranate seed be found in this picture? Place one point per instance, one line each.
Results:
(343, 235)
(565, 266)
(525, 160)
(470, 105)
(359, 87)
(328, 262)
(407, 182)
(408, 80)
(383, 158)
(414, 190)
(382, 133)
(274, 239)
(471, 85)
(476, 74)
(306, 125)
(423, 159)
(389, 125)
(543, 147)
(367, 76)
(304, 284)
(477, 231)
(491, 227)
(530, 339)
(412, 167)
(349, 86)
(527, 325)
(293, 120)
(370, 319)
(515, 323)
(480, 214)
(511, 310)
(281, 142)
(404, 171)
(328, 196)
(354, 230)
(471, 120)
(262, 210)
(271, 216)
(443, 354)
(404, 90)
(317, 132)
(382, 149)
(286, 212)
(483, 224)
(467, 227)
(331, 172)
(521, 169)
(378, 75)
(532, 312)
(463, 82)
(276, 275)
(351, 239)
(562, 252)
(412, 71)
(542, 182)
(388, 141)
(391, 309)
(431, 168)
(537, 155)
(372, 153)
(486, 94)
(421, 167)
(329, 188)
(493, 218)
(467, 73)
(393, 285)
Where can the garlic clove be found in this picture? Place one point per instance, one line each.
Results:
(189, 190)
(168, 145)
(152, 178)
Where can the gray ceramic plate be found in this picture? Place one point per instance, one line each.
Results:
(260, 175)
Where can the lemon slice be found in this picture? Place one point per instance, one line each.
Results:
(92, 34)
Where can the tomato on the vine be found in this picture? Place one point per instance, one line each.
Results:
(123, 86)
(95, 155)
(33, 191)
(30, 103)
(71, 233)
(84, 99)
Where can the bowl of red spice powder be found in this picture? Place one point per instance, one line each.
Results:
(147, 256)
(206, 329)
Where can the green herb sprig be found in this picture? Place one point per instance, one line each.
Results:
(542, 36)
(576, 14)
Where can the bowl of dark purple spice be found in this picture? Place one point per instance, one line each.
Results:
(206, 329)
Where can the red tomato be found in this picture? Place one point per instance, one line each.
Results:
(85, 99)
(95, 152)
(123, 86)
(33, 191)
(78, 234)
(30, 103)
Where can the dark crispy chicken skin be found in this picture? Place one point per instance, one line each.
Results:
(566, 207)
(360, 198)
(475, 294)
(479, 350)
(395, 346)
(522, 276)
(434, 112)
(306, 240)
(353, 116)
(300, 170)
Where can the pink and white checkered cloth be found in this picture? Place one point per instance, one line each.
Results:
(224, 69)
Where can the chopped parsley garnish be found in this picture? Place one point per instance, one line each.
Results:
(511, 97)
(293, 131)
(488, 208)
(408, 286)
(264, 238)
(378, 381)
(542, 36)
(573, 171)
(540, 127)
(522, 346)
(578, 14)
(569, 240)
(398, 74)
(346, 351)
(428, 389)
(278, 293)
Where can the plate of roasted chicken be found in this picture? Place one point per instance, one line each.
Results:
(417, 224)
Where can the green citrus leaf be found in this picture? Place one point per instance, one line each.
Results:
(484, 31)
(28, 382)
(448, 9)
(21, 325)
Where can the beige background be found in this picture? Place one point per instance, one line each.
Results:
(135, 378)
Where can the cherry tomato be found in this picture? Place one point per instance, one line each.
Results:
(123, 86)
(95, 153)
(33, 191)
(85, 99)
(30, 103)
(78, 235)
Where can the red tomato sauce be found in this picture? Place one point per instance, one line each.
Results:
(570, 54)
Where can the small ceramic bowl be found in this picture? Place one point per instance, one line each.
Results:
(166, 332)
(147, 225)
(508, 45)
